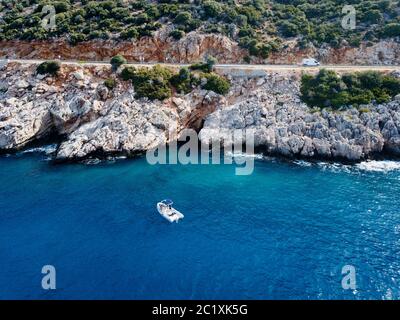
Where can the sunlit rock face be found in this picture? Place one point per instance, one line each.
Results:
(91, 119)
(283, 125)
(196, 46)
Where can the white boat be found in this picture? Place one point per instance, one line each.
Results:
(165, 209)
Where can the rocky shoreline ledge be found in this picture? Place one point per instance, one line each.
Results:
(90, 119)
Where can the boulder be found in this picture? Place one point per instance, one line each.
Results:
(68, 115)
(102, 92)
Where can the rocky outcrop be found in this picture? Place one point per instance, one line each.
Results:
(196, 46)
(130, 127)
(381, 53)
(22, 118)
(283, 125)
(91, 119)
(22, 121)
(77, 106)
(159, 48)
(126, 127)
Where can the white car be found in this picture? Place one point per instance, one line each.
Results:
(310, 62)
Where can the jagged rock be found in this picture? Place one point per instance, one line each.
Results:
(41, 76)
(22, 84)
(67, 116)
(125, 129)
(322, 148)
(347, 135)
(389, 130)
(96, 122)
(192, 47)
(344, 150)
(102, 92)
(22, 122)
(395, 74)
(308, 149)
(78, 75)
(393, 145)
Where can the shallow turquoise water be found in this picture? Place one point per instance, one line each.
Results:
(284, 232)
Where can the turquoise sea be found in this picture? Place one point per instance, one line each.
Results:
(284, 232)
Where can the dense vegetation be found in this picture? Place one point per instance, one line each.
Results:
(328, 89)
(158, 83)
(258, 25)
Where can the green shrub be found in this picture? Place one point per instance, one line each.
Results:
(110, 83)
(183, 18)
(373, 16)
(76, 37)
(184, 81)
(212, 9)
(216, 83)
(130, 33)
(117, 61)
(48, 67)
(61, 6)
(177, 34)
(158, 83)
(207, 66)
(391, 30)
(310, 22)
(364, 110)
(327, 89)
(152, 83)
(128, 73)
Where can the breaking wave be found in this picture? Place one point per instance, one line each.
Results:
(379, 166)
(49, 149)
(370, 165)
(246, 155)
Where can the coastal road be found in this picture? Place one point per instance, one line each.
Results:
(227, 67)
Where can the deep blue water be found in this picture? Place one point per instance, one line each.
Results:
(284, 232)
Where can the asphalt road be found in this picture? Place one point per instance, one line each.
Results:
(222, 67)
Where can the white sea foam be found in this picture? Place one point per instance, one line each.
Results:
(370, 165)
(244, 155)
(303, 163)
(49, 149)
(335, 167)
(326, 166)
(379, 166)
(92, 162)
(109, 160)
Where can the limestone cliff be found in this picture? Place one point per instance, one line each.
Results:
(91, 119)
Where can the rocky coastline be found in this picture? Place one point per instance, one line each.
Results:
(90, 119)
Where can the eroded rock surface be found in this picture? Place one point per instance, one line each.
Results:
(196, 46)
(283, 125)
(94, 120)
